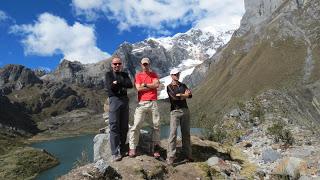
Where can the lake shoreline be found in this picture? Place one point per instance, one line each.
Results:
(84, 142)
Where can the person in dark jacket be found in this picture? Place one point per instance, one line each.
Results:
(179, 114)
(117, 83)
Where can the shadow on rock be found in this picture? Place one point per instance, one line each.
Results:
(202, 153)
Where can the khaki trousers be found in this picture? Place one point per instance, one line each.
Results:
(139, 117)
(182, 117)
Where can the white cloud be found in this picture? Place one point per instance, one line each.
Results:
(161, 15)
(221, 15)
(88, 8)
(51, 35)
(88, 4)
(3, 16)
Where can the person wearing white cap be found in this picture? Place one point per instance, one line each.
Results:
(146, 83)
(178, 93)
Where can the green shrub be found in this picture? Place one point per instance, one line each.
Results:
(241, 105)
(228, 132)
(215, 134)
(258, 110)
(279, 133)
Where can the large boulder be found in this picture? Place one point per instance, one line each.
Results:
(102, 149)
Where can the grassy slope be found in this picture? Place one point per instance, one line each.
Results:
(25, 163)
(31, 96)
(239, 76)
(20, 162)
(316, 71)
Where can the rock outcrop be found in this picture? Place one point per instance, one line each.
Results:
(83, 75)
(229, 165)
(16, 77)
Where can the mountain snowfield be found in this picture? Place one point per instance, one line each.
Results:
(200, 47)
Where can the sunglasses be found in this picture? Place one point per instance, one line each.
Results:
(117, 64)
(145, 64)
(178, 74)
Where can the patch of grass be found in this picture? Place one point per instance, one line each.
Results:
(25, 163)
(248, 169)
(280, 133)
(157, 172)
(257, 110)
(227, 132)
(209, 173)
(241, 105)
(8, 143)
(216, 134)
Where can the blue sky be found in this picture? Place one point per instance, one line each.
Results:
(39, 33)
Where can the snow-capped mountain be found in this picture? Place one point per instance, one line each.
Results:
(196, 42)
(200, 45)
(183, 51)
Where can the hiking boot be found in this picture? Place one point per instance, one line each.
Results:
(117, 157)
(188, 159)
(170, 160)
(156, 154)
(132, 153)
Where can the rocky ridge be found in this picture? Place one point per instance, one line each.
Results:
(276, 142)
(165, 53)
(16, 77)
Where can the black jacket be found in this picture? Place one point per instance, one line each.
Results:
(123, 82)
(177, 102)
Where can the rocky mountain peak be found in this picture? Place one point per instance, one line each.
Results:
(68, 68)
(164, 53)
(85, 75)
(16, 77)
(260, 11)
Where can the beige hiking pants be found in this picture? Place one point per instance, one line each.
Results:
(139, 117)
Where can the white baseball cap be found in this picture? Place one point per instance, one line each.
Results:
(174, 71)
(145, 60)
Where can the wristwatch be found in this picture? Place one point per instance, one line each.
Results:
(145, 85)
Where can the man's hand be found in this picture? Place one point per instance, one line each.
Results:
(187, 92)
(184, 95)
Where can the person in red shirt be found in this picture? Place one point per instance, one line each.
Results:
(146, 83)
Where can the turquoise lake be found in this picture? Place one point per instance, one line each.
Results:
(68, 150)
